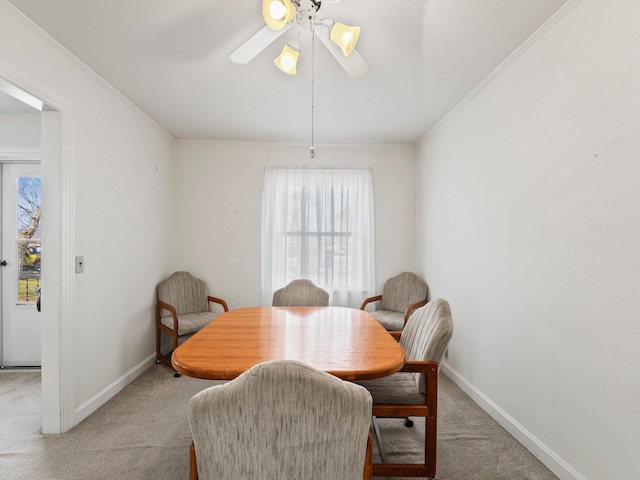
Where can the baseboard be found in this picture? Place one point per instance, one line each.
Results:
(107, 393)
(552, 461)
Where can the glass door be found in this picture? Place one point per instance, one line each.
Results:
(20, 262)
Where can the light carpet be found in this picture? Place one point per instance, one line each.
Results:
(143, 433)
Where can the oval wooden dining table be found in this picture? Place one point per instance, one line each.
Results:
(344, 342)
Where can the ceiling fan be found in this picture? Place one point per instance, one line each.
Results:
(282, 15)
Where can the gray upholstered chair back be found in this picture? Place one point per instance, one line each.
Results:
(427, 334)
(185, 292)
(281, 420)
(300, 293)
(401, 291)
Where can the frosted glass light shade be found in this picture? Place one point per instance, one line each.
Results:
(345, 37)
(288, 59)
(277, 13)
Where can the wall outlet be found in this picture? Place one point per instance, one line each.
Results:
(79, 264)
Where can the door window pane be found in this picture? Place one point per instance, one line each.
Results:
(28, 241)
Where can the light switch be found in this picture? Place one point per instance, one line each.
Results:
(79, 264)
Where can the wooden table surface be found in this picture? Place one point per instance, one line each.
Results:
(344, 342)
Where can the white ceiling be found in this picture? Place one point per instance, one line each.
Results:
(170, 58)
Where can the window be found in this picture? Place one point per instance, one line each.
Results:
(318, 224)
(28, 241)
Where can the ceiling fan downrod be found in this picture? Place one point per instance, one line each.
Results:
(312, 149)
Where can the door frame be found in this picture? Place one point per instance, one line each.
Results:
(58, 384)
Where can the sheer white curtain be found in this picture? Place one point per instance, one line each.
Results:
(318, 223)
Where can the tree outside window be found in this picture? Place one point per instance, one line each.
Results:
(28, 241)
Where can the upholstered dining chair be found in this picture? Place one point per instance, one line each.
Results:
(183, 308)
(413, 391)
(281, 420)
(400, 296)
(300, 293)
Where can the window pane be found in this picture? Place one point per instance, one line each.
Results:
(28, 241)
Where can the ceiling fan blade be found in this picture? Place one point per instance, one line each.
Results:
(354, 64)
(257, 43)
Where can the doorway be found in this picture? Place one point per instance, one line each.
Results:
(57, 173)
(20, 263)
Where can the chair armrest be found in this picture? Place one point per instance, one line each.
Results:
(417, 366)
(395, 335)
(220, 301)
(369, 300)
(166, 306)
(411, 308)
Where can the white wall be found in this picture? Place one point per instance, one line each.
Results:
(219, 205)
(21, 131)
(117, 213)
(528, 223)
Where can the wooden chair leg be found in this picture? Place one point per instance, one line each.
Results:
(162, 358)
(159, 355)
(376, 431)
(193, 465)
(158, 344)
(368, 461)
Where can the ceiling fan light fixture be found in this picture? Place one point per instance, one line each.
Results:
(277, 13)
(288, 58)
(345, 37)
